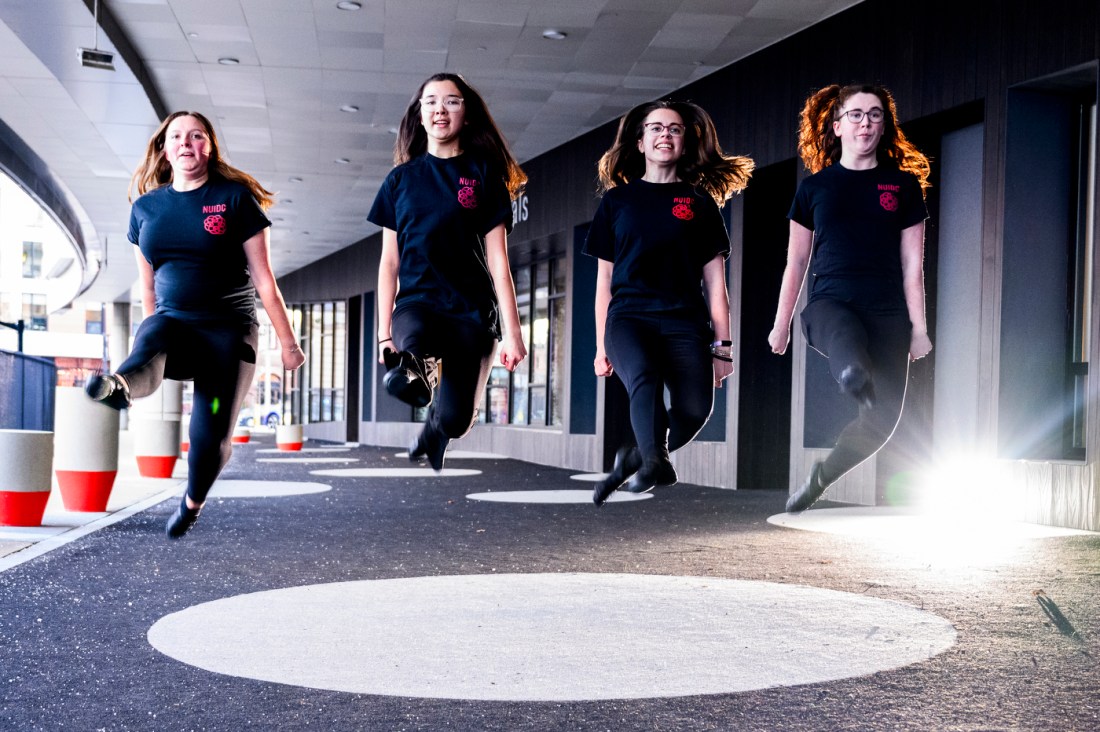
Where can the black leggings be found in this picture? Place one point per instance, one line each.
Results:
(651, 353)
(880, 345)
(465, 351)
(221, 360)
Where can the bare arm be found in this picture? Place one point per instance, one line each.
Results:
(794, 275)
(258, 252)
(602, 364)
(718, 301)
(387, 288)
(145, 275)
(912, 277)
(496, 253)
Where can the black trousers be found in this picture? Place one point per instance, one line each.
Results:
(221, 360)
(879, 344)
(652, 353)
(465, 351)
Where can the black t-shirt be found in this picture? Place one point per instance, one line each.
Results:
(441, 209)
(857, 217)
(659, 236)
(194, 242)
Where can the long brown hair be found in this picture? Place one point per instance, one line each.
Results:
(703, 164)
(480, 133)
(154, 170)
(819, 147)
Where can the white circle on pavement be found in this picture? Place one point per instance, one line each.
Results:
(308, 460)
(423, 472)
(264, 488)
(896, 522)
(555, 496)
(464, 455)
(588, 477)
(550, 637)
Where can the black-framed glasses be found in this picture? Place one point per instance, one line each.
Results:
(874, 114)
(658, 128)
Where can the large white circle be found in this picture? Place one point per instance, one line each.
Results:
(550, 637)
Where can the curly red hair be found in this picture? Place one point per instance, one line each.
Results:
(819, 147)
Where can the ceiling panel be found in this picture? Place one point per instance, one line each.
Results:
(300, 61)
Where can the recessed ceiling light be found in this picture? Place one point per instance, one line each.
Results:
(295, 179)
(192, 34)
(305, 233)
(554, 34)
(349, 108)
(342, 161)
(392, 130)
(348, 5)
(228, 61)
(286, 200)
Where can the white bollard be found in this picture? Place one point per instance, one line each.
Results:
(85, 449)
(155, 423)
(27, 457)
(289, 437)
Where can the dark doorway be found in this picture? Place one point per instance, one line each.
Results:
(354, 349)
(764, 408)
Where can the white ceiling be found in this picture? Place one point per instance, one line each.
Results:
(278, 111)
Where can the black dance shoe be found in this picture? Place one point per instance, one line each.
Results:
(110, 390)
(856, 381)
(807, 493)
(409, 378)
(627, 462)
(182, 520)
(654, 472)
(430, 445)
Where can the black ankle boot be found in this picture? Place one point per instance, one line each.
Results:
(627, 462)
(431, 445)
(182, 520)
(807, 493)
(108, 389)
(409, 378)
(654, 472)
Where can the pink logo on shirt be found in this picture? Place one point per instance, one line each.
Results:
(681, 209)
(467, 197)
(214, 224)
(888, 201)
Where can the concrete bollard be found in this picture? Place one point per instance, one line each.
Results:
(155, 422)
(241, 435)
(85, 450)
(289, 437)
(185, 434)
(156, 446)
(27, 457)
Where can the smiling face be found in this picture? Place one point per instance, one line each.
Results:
(658, 143)
(859, 139)
(187, 148)
(442, 113)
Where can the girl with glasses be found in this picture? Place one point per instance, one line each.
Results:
(201, 243)
(860, 216)
(445, 286)
(658, 233)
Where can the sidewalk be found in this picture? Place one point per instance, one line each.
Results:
(342, 588)
(131, 493)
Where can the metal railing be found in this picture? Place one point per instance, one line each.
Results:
(27, 388)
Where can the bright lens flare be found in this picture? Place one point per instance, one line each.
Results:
(970, 512)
